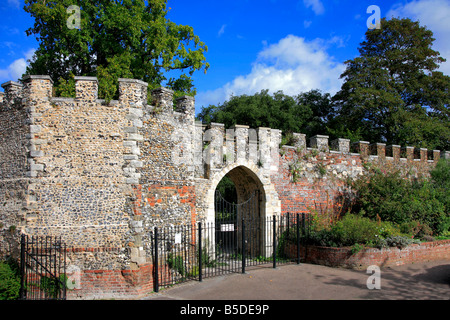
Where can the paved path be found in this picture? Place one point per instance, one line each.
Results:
(422, 281)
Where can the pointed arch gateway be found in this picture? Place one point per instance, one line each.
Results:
(257, 202)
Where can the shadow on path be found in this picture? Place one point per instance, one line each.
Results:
(426, 281)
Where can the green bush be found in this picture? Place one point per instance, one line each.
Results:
(355, 229)
(390, 210)
(395, 241)
(440, 178)
(390, 197)
(9, 280)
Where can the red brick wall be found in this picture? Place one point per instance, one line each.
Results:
(311, 189)
(322, 177)
(119, 284)
(343, 257)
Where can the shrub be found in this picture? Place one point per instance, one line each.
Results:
(395, 241)
(390, 197)
(355, 229)
(415, 229)
(322, 238)
(9, 280)
(440, 177)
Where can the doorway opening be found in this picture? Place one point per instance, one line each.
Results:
(238, 208)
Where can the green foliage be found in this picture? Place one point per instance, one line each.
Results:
(52, 286)
(440, 177)
(177, 263)
(227, 189)
(355, 229)
(306, 113)
(9, 280)
(66, 87)
(392, 91)
(395, 241)
(390, 197)
(352, 230)
(130, 38)
(389, 210)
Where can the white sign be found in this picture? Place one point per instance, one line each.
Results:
(226, 227)
(177, 238)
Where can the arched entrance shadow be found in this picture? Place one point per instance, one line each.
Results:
(249, 184)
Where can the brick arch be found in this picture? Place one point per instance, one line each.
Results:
(247, 177)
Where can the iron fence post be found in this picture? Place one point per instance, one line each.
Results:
(305, 234)
(288, 226)
(156, 263)
(200, 251)
(274, 234)
(22, 268)
(298, 238)
(243, 246)
(65, 280)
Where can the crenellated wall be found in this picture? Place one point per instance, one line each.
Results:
(102, 175)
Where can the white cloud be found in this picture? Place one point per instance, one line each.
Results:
(29, 54)
(222, 30)
(315, 5)
(14, 3)
(293, 65)
(434, 15)
(18, 67)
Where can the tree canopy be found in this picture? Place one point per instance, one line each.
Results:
(308, 112)
(393, 92)
(120, 38)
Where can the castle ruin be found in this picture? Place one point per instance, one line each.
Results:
(102, 175)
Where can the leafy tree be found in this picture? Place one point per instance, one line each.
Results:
(393, 92)
(120, 38)
(321, 107)
(227, 189)
(306, 113)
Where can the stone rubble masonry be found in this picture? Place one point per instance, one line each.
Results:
(103, 175)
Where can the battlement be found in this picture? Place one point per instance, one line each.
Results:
(11, 96)
(214, 145)
(261, 147)
(132, 92)
(369, 150)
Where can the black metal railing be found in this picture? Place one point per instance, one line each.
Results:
(42, 268)
(202, 250)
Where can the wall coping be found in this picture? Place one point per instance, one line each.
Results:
(392, 256)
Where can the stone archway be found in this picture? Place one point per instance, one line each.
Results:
(248, 179)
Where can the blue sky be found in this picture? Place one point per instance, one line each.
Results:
(289, 45)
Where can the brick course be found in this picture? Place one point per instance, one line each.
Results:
(343, 257)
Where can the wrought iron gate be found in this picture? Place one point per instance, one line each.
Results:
(229, 226)
(238, 239)
(43, 268)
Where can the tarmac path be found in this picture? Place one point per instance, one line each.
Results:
(419, 281)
